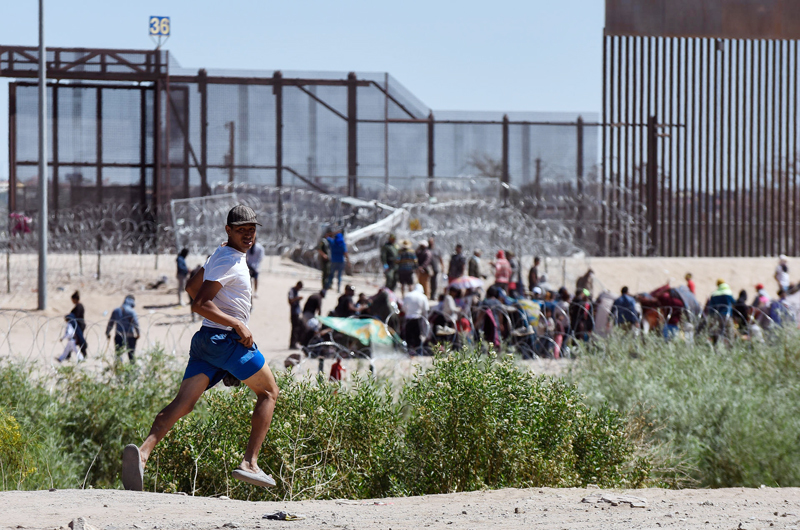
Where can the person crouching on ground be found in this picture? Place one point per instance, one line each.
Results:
(224, 344)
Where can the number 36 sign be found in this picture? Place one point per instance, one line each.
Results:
(159, 26)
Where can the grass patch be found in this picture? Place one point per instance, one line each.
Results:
(719, 416)
(75, 428)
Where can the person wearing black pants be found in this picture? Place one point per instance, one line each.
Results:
(79, 313)
(295, 312)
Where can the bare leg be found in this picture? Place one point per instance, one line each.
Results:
(266, 390)
(190, 391)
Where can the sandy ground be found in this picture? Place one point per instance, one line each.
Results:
(34, 335)
(509, 509)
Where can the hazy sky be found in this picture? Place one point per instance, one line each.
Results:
(498, 55)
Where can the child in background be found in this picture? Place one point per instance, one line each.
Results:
(337, 371)
(74, 337)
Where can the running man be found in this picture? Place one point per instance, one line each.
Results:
(224, 344)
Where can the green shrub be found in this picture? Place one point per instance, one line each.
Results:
(98, 416)
(466, 423)
(722, 416)
(78, 429)
(15, 465)
(325, 442)
(476, 422)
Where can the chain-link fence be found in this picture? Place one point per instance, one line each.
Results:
(286, 138)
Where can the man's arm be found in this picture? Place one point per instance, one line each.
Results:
(204, 306)
(194, 283)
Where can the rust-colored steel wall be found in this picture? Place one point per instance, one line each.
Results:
(699, 147)
(733, 19)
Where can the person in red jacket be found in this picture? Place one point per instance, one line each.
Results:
(337, 371)
(690, 282)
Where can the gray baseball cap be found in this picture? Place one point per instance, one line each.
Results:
(242, 215)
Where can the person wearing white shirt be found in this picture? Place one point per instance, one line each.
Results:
(224, 346)
(415, 307)
(782, 273)
(70, 334)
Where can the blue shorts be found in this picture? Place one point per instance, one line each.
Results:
(217, 351)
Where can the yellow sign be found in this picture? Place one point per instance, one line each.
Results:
(414, 225)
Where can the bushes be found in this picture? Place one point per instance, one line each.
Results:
(466, 423)
(325, 442)
(15, 465)
(474, 422)
(731, 413)
(77, 431)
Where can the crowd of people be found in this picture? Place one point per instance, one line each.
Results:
(430, 300)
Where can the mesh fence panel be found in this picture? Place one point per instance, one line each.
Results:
(116, 188)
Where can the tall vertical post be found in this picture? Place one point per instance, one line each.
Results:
(142, 149)
(157, 153)
(526, 154)
(652, 182)
(202, 87)
(55, 151)
(231, 126)
(312, 135)
(504, 176)
(386, 130)
(352, 135)
(579, 177)
(12, 147)
(186, 146)
(42, 284)
(431, 154)
(98, 139)
(277, 89)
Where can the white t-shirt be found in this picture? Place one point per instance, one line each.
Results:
(229, 267)
(415, 304)
(255, 255)
(782, 276)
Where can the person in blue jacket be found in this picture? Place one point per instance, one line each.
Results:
(719, 310)
(338, 258)
(126, 322)
(624, 310)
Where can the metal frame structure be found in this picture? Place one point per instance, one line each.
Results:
(149, 71)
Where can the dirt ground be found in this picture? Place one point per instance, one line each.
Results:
(726, 509)
(33, 335)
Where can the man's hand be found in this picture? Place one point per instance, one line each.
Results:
(244, 332)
